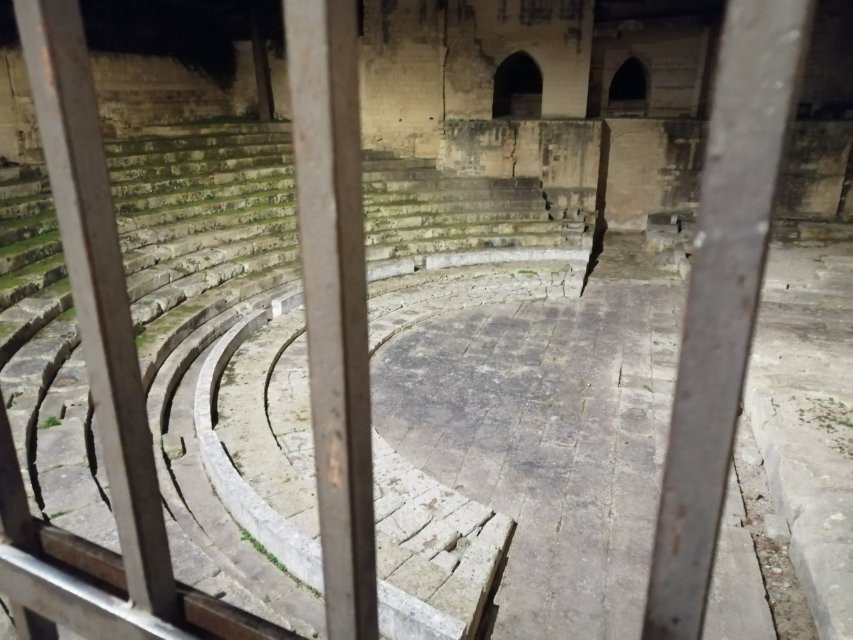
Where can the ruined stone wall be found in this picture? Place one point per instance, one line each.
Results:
(815, 170)
(563, 154)
(655, 166)
(401, 75)
(243, 93)
(675, 60)
(132, 91)
(423, 62)
(482, 33)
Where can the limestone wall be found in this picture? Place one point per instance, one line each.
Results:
(563, 154)
(424, 62)
(482, 33)
(401, 76)
(132, 91)
(654, 166)
(675, 60)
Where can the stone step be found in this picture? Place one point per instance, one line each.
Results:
(10, 173)
(152, 187)
(461, 243)
(24, 319)
(405, 220)
(73, 497)
(532, 207)
(25, 252)
(442, 181)
(178, 197)
(214, 128)
(18, 208)
(155, 158)
(192, 169)
(176, 143)
(21, 188)
(435, 232)
(235, 204)
(134, 236)
(205, 519)
(403, 495)
(396, 174)
(162, 335)
(22, 229)
(180, 288)
(32, 278)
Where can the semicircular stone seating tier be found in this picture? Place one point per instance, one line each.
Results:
(206, 216)
(438, 551)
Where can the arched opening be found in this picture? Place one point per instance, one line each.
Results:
(360, 10)
(518, 88)
(628, 91)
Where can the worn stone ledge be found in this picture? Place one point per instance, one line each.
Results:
(401, 615)
(489, 256)
(804, 483)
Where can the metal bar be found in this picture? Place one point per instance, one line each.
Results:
(60, 76)
(323, 70)
(266, 106)
(16, 526)
(73, 603)
(103, 567)
(760, 59)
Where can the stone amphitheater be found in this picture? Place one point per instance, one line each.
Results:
(523, 360)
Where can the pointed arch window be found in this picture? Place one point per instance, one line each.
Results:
(518, 88)
(628, 92)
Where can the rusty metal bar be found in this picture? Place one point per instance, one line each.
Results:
(16, 527)
(323, 70)
(762, 51)
(74, 603)
(266, 108)
(201, 611)
(61, 79)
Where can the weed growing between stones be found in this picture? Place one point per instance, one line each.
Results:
(50, 421)
(248, 537)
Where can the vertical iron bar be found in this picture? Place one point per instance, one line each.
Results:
(16, 527)
(266, 108)
(323, 69)
(61, 79)
(762, 50)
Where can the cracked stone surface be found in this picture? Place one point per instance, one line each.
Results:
(556, 412)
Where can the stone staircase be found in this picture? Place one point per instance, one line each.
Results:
(208, 230)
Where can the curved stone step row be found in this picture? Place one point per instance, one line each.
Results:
(151, 144)
(189, 496)
(74, 491)
(67, 398)
(75, 497)
(29, 279)
(176, 180)
(432, 542)
(28, 373)
(149, 270)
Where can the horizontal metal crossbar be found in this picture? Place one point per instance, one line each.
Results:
(94, 578)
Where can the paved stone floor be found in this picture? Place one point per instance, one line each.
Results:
(555, 412)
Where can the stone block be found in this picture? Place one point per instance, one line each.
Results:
(173, 446)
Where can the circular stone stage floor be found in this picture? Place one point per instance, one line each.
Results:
(555, 412)
(501, 395)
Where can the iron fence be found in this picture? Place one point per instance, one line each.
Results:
(54, 577)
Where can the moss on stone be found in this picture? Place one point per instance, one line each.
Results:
(28, 244)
